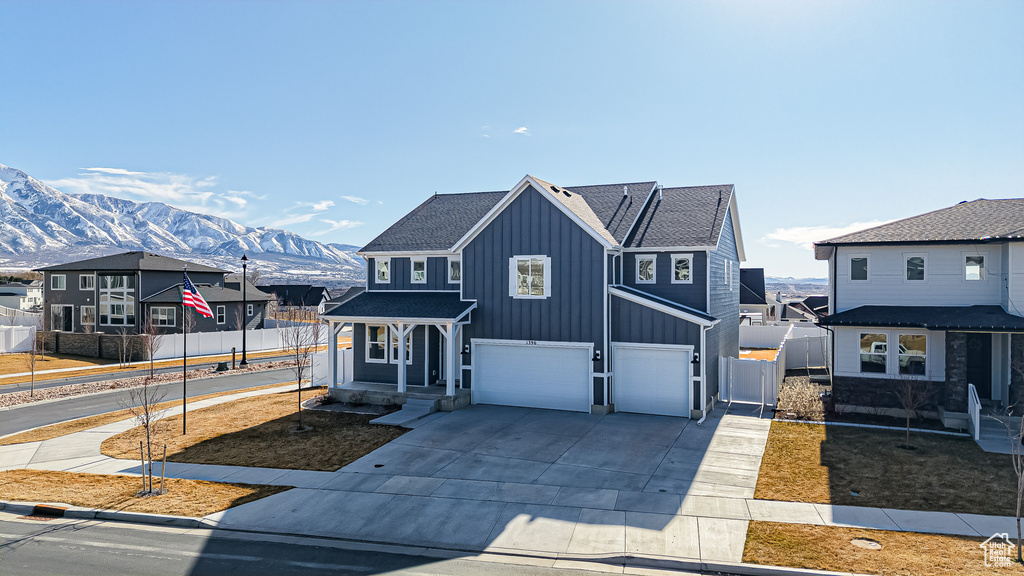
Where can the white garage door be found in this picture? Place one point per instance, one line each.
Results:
(651, 380)
(542, 375)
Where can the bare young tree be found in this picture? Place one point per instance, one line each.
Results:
(142, 403)
(301, 339)
(254, 275)
(152, 337)
(125, 346)
(912, 394)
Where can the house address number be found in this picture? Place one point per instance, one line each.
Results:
(531, 342)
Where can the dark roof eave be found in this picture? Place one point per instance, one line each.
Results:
(985, 240)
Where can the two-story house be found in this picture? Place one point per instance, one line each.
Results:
(937, 297)
(120, 291)
(22, 295)
(591, 299)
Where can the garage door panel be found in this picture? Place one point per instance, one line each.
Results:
(651, 380)
(532, 376)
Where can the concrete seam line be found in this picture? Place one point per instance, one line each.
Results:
(745, 569)
(877, 427)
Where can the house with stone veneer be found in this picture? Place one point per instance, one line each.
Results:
(937, 297)
(585, 298)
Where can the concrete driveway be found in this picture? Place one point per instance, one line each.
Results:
(488, 478)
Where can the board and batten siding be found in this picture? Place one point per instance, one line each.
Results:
(574, 311)
(944, 284)
(387, 373)
(401, 275)
(723, 339)
(1014, 291)
(693, 295)
(636, 323)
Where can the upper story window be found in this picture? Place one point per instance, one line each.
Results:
(731, 273)
(913, 352)
(454, 270)
(858, 267)
(682, 265)
(419, 271)
(915, 266)
(383, 270)
(117, 300)
(58, 282)
(974, 267)
(529, 276)
(873, 352)
(646, 272)
(87, 282)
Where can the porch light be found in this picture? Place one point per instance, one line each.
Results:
(465, 349)
(597, 356)
(696, 358)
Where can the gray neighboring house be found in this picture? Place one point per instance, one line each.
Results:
(111, 293)
(297, 296)
(592, 298)
(937, 297)
(26, 296)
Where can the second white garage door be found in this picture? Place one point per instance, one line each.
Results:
(651, 379)
(541, 375)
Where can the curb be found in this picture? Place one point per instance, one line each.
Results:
(77, 512)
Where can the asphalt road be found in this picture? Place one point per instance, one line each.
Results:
(41, 384)
(25, 416)
(80, 547)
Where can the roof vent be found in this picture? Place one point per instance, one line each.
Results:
(659, 192)
(625, 191)
(555, 188)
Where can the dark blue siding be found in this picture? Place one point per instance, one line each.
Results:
(401, 275)
(693, 295)
(364, 371)
(574, 312)
(724, 338)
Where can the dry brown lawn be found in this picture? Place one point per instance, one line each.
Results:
(17, 363)
(258, 432)
(829, 548)
(759, 354)
(110, 492)
(826, 464)
(72, 426)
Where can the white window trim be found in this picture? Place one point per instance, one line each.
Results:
(174, 316)
(64, 279)
(513, 269)
(732, 273)
(654, 268)
(376, 271)
(860, 353)
(867, 267)
(393, 347)
(681, 257)
(725, 272)
(412, 270)
(984, 266)
(84, 276)
(387, 344)
(81, 316)
(222, 315)
(250, 310)
(906, 257)
(450, 260)
(927, 345)
(62, 307)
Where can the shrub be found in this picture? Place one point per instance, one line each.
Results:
(803, 400)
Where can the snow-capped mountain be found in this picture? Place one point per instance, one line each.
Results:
(40, 225)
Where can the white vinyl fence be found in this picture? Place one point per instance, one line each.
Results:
(15, 317)
(806, 345)
(16, 338)
(752, 381)
(320, 375)
(208, 343)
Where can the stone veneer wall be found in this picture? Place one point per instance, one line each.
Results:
(105, 346)
(878, 392)
(955, 394)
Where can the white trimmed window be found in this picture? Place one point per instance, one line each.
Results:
(58, 282)
(529, 276)
(117, 300)
(88, 316)
(454, 270)
(682, 268)
(394, 347)
(163, 315)
(376, 342)
(874, 351)
(725, 272)
(383, 270)
(87, 282)
(419, 271)
(858, 268)
(646, 268)
(974, 267)
(250, 310)
(222, 314)
(914, 265)
(913, 354)
(731, 273)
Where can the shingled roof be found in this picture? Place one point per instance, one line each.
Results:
(690, 216)
(436, 224)
(967, 221)
(616, 211)
(172, 295)
(132, 261)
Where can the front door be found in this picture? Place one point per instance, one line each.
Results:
(979, 364)
(62, 318)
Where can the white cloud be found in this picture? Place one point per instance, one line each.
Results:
(336, 225)
(806, 236)
(522, 130)
(118, 171)
(293, 219)
(322, 205)
(356, 200)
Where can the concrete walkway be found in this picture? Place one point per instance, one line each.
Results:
(689, 496)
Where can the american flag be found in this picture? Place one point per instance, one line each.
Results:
(191, 297)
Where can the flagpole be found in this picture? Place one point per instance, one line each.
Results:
(184, 357)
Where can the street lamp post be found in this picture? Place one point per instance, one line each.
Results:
(245, 311)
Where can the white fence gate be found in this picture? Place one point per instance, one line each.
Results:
(320, 375)
(16, 338)
(752, 381)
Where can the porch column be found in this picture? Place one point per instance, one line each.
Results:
(332, 355)
(401, 357)
(457, 332)
(450, 382)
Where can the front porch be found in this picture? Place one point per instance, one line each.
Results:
(384, 394)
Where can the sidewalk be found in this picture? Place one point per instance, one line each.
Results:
(492, 517)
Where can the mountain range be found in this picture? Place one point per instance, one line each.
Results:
(40, 226)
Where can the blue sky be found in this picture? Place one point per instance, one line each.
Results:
(333, 119)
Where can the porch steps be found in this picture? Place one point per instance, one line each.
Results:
(994, 438)
(412, 410)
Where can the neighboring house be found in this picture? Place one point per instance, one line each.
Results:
(349, 294)
(225, 303)
(754, 308)
(937, 297)
(594, 298)
(22, 296)
(296, 296)
(117, 292)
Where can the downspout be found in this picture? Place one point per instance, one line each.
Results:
(703, 378)
(607, 334)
